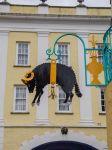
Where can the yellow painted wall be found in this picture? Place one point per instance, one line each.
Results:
(108, 97)
(24, 9)
(65, 119)
(99, 11)
(62, 11)
(59, 10)
(14, 137)
(99, 119)
(18, 72)
(14, 75)
(34, 10)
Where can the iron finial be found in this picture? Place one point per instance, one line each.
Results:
(80, 1)
(43, 1)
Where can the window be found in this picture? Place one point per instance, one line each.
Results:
(102, 100)
(64, 59)
(64, 49)
(20, 98)
(100, 55)
(22, 54)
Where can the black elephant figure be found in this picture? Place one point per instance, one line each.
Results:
(39, 77)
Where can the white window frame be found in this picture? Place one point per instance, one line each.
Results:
(100, 101)
(68, 50)
(63, 111)
(14, 99)
(17, 42)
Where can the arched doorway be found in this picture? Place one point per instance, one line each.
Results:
(64, 145)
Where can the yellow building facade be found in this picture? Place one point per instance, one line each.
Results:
(26, 32)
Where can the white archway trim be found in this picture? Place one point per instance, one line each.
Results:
(57, 136)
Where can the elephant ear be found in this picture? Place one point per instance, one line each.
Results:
(28, 77)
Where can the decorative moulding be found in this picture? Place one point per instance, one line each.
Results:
(57, 136)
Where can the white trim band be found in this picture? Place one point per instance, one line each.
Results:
(42, 109)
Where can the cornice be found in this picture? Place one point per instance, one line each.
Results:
(36, 5)
(53, 23)
(54, 126)
(53, 17)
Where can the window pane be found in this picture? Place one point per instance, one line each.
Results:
(20, 105)
(26, 59)
(100, 55)
(66, 49)
(64, 60)
(103, 108)
(102, 96)
(61, 93)
(64, 107)
(102, 103)
(20, 99)
(22, 53)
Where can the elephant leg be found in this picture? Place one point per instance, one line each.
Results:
(36, 95)
(38, 101)
(71, 96)
(67, 97)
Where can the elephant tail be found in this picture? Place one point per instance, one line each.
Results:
(77, 90)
